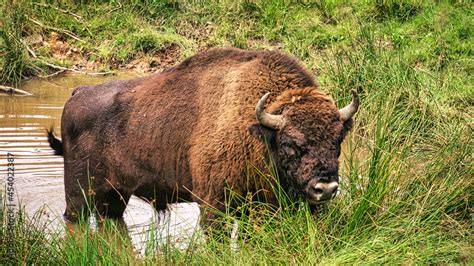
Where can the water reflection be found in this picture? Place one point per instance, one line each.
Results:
(39, 173)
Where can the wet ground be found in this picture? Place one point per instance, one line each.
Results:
(38, 174)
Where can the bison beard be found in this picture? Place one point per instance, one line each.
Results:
(190, 132)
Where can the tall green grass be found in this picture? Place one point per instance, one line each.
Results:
(15, 64)
(406, 167)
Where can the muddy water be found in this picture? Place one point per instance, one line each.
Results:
(38, 174)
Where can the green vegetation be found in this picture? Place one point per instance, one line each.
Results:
(407, 165)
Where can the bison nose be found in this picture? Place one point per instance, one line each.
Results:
(323, 191)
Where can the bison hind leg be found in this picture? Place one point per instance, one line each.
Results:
(76, 210)
(112, 204)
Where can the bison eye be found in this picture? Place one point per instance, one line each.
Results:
(289, 151)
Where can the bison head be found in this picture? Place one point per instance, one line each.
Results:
(304, 130)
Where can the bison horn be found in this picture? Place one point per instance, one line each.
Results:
(266, 119)
(348, 111)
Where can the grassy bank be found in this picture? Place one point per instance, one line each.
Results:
(407, 165)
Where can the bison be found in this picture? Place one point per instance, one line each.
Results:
(190, 132)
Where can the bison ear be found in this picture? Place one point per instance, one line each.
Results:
(264, 134)
(346, 127)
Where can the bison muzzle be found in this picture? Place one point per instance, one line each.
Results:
(189, 133)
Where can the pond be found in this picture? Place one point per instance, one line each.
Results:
(38, 174)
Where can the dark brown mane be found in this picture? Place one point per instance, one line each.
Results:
(286, 66)
(280, 65)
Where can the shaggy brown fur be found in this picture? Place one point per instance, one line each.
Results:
(188, 132)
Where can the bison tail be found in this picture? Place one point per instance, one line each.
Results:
(54, 142)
